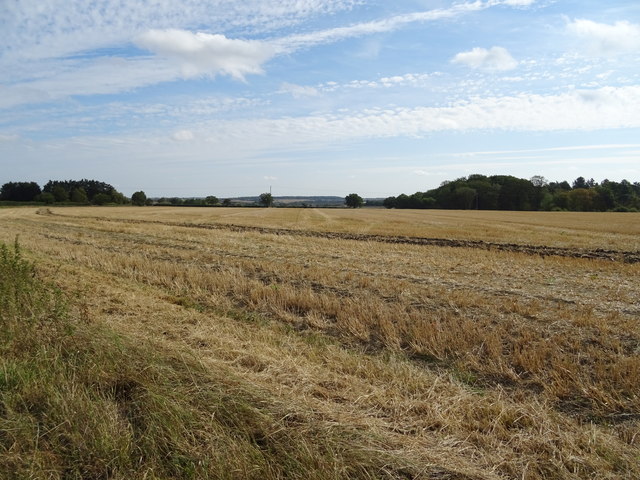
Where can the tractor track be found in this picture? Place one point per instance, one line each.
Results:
(540, 250)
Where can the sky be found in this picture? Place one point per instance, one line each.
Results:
(317, 97)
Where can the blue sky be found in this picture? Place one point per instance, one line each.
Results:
(319, 97)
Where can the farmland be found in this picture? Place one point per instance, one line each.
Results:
(375, 343)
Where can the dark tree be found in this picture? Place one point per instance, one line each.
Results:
(211, 200)
(46, 197)
(91, 188)
(101, 199)
(390, 202)
(353, 200)
(579, 182)
(78, 195)
(139, 198)
(20, 191)
(60, 194)
(266, 200)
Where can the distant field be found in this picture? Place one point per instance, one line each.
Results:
(619, 231)
(466, 361)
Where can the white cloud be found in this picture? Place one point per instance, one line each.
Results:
(59, 28)
(44, 43)
(495, 59)
(604, 108)
(183, 135)
(299, 91)
(518, 3)
(602, 39)
(203, 53)
(406, 80)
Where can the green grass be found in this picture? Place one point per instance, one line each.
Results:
(78, 401)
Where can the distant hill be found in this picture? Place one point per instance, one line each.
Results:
(297, 201)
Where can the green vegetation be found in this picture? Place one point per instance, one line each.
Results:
(20, 191)
(56, 191)
(78, 401)
(504, 192)
(266, 199)
(139, 198)
(353, 200)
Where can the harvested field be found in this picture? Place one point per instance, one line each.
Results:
(471, 345)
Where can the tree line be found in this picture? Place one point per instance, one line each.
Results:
(63, 191)
(498, 192)
(505, 192)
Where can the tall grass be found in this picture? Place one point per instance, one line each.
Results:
(78, 401)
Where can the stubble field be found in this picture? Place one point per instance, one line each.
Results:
(416, 344)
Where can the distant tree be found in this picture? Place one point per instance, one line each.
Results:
(60, 194)
(579, 182)
(583, 200)
(211, 200)
(78, 195)
(547, 202)
(266, 200)
(117, 197)
(559, 186)
(20, 191)
(139, 198)
(464, 197)
(539, 181)
(390, 202)
(102, 199)
(226, 202)
(353, 200)
(46, 197)
(403, 201)
(91, 188)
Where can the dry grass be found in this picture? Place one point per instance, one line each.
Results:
(452, 361)
(618, 231)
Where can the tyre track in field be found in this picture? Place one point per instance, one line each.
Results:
(540, 250)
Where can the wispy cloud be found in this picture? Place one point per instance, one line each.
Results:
(604, 108)
(59, 28)
(295, 42)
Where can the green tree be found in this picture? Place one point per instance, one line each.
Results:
(117, 197)
(266, 200)
(20, 191)
(353, 200)
(211, 200)
(78, 195)
(583, 200)
(139, 198)
(102, 199)
(60, 194)
(46, 197)
(390, 202)
(464, 197)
